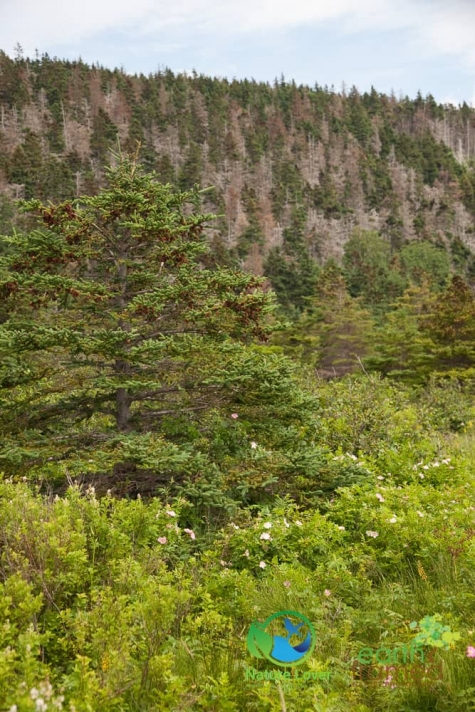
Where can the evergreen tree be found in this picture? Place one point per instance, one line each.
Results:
(114, 328)
(344, 327)
(293, 279)
(252, 234)
(369, 272)
(26, 164)
(428, 334)
(104, 133)
(7, 215)
(13, 89)
(401, 350)
(422, 259)
(357, 119)
(451, 327)
(190, 173)
(334, 333)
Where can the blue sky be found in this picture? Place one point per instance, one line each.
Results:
(400, 45)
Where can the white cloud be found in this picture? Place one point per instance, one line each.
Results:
(451, 29)
(436, 26)
(52, 22)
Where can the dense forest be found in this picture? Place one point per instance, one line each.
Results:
(292, 170)
(237, 339)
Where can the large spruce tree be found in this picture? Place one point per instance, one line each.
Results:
(115, 331)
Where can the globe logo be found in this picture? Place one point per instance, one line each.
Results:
(285, 638)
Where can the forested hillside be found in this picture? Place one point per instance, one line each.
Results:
(294, 170)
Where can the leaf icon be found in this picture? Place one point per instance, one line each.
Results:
(259, 643)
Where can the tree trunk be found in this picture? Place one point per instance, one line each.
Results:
(123, 399)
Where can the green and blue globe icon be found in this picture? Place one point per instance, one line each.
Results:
(285, 638)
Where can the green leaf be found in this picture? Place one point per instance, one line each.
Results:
(258, 640)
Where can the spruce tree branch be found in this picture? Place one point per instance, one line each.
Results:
(176, 411)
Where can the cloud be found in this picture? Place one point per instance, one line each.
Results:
(50, 22)
(450, 29)
(30, 22)
(434, 27)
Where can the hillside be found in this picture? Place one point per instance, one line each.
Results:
(294, 169)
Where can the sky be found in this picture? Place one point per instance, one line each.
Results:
(403, 46)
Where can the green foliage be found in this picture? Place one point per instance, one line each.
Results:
(334, 332)
(401, 350)
(191, 171)
(7, 215)
(467, 183)
(451, 327)
(293, 280)
(428, 334)
(57, 181)
(428, 156)
(25, 165)
(357, 119)
(383, 189)
(121, 605)
(325, 197)
(294, 235)
(445, 405)
(346, 333)
(165, 170)
(103, 136)
(256, 139)
(84, 575)
(462, 259)
(287, 186)
(368, 270)
(13, 88)
(85, 367)
(252, 234)
(81, 313)
(359, 414)
(420, 259)
(125, 604)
